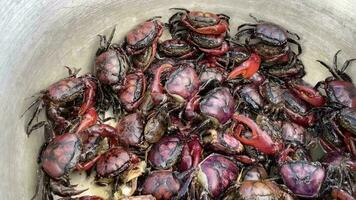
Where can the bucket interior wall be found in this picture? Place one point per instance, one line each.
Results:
(39, 37)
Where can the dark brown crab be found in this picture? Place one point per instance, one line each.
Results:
(60, 101)
(272, 41)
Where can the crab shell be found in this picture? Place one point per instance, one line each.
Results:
(61, 155)
(143, 35)
(271, 33)
(130, 129)
(342, 92)
(65, 90)
(111, 67)
(133, 90)
(164, 154)
(218, 104)
(183, 83)
(347, 119)
(216, 173)
(113, 162)
(303, 178)
(162, 184)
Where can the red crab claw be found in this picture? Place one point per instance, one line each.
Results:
(216, 51)
(88, 165)
(259, 139)
(191, 154)
(303, 120)
(219, 28)
(157, 88)
(248, 68)
(100, 130)
(89, 95)
(192, 107)
(308, 94)
(245, 159)
(105, 131)
(89, 119)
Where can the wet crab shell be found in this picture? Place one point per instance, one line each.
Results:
(113, 162)
(162, 184)
(272, 92)
(130, 129)
(216, 173)
(164, 154)
(347, 119)
(293, 132)
(257, 79)
(133, 90)
(271, 33)
(61, 155)
(155, 128)
(262, 189)
(65, 90)
(252, 97)
(144, 34)
(111, 67)
(212, 73)
(342, 92)
(303, 178)
(256, 173)
(183, 83)
(218, 104)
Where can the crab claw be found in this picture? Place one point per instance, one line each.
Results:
(105, 131)
(245, 159)
(89, 119)
(259, 139)
(157, 88)
(89, 96)
(88, 165)
(64, 191)
(308, 94)
(192, 107)
(191, 155)
(248, 68)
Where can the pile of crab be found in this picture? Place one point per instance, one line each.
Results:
(203, 115)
